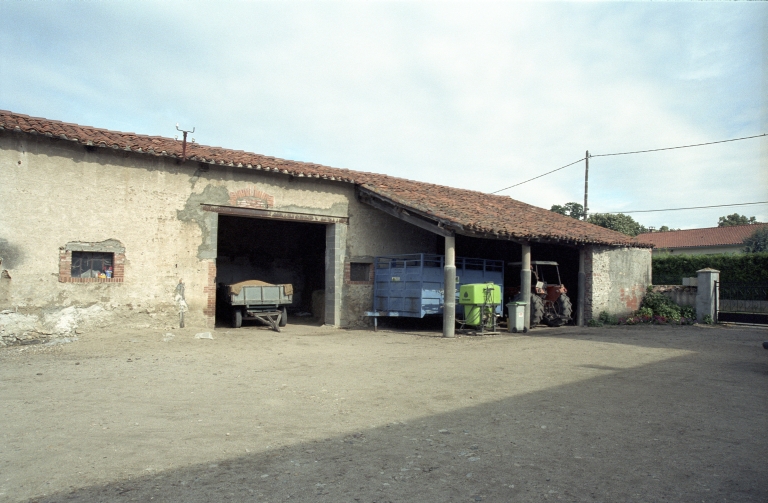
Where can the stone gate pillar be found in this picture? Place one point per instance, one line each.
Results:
(706, 294)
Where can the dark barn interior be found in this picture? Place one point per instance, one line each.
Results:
(273, 251)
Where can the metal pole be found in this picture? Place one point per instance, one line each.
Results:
(525, 283)
(586, 185)
(449, 290)
(582, 289)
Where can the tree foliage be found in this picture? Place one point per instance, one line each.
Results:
(736, 219)
(573, 210)
(757, 242)
(617, 222)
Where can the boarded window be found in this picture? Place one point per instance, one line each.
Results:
(92, 264)
(359, 271)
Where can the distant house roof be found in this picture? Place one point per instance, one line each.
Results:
(693, 238)
(463, 211)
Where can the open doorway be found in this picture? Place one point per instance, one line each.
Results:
(273, 251)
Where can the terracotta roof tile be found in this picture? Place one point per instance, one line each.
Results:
(692, 238)
(477, 212)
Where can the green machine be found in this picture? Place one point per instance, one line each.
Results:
(482, 304)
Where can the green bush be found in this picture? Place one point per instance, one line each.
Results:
(660, 305)
(746, 268)
(608, 319)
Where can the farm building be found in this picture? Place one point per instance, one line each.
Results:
(76, 201)
(708, 241)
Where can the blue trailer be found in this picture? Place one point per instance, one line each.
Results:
(412, 285)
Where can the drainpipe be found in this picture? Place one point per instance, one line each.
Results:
(449, 290)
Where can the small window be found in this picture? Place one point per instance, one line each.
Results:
(92, 264)
(359, 272)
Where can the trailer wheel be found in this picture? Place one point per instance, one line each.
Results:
(237, 318)
(284, 317)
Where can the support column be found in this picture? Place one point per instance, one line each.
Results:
(582, 290)
(335, 246)
(525, 283)
(449, 290)
(706, 294)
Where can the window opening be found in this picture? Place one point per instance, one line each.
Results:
(359, 271)
(92, 264)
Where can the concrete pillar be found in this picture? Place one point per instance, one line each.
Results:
(449, 290)
(706, 294)
(582, 290)
(335, 247)
(525, 283)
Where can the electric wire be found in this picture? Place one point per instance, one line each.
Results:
(535, 177)
(682, 146)
(678, 209)
(627, 153)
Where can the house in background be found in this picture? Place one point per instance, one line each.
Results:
(706, 241)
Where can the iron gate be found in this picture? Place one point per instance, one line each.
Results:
(742, 303)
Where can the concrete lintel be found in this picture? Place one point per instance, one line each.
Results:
(107, 246)
(275, 215)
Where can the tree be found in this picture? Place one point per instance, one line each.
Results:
(757, 242)
(573, 210)
(618, 222)
(736, 219)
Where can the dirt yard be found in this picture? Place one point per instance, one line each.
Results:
(675, 414)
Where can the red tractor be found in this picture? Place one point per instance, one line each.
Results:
(549, 301)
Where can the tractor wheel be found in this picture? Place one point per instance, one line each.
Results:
(537, 310)
(563, 306)
(237, 318)
(284, 317)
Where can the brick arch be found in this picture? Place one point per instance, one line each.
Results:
(251, 197)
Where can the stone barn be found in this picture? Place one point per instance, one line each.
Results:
(79, 203)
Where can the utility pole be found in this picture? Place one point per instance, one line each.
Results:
(586, 184)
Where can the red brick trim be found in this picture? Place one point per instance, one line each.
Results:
(210, 293)
(251, 198)
(65, 269)
(348, 275)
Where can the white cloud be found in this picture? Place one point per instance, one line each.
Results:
(478, 96)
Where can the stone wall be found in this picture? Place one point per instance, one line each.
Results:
(617, 279)
(680, 295)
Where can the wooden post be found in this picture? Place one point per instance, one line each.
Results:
(449, 290)
(586, 184)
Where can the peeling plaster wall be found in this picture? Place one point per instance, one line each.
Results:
(54, 192)
(617, 279)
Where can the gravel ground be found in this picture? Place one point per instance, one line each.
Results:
(317, 414)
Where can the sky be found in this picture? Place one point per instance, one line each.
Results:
(479, 95)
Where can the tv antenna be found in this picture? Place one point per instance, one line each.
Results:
(184, 142)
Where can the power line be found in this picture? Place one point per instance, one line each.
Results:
(683, 146)
(535, 177)
(689, 208)
(634, 152)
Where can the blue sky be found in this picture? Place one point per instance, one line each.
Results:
(474, 95)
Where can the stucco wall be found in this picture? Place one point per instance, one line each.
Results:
(54, 192)
(617, 279)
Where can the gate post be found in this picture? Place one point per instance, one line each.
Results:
(706, 293)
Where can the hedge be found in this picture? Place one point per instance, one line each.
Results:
(744, 268)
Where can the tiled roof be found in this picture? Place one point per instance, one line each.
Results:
(692, 238)
(477, 212)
